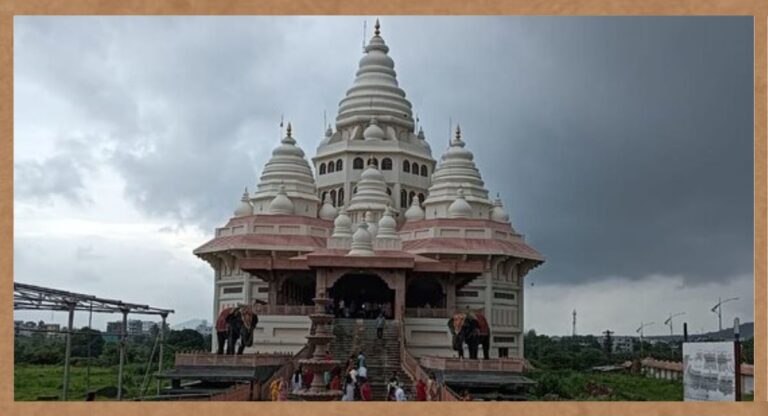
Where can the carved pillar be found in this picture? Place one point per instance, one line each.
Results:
(321, 283)
(450, 294)
(399, 295)
(272, 295)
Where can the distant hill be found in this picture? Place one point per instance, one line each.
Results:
(190, 324)
(747, 331)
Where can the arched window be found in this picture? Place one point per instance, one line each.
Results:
(410, 197)
(423, 170)
(322, 197)
(421, 199)
(340, 197)
(406, 166)
(340, 165)
(403, 199)
(322, 168)
(386, 164)
(357, 163)
(333, 197)
(354, 190)
(331, 167)
(415, 168)
(373, 161)
(389, 191)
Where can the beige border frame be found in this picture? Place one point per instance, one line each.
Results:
(10, 8)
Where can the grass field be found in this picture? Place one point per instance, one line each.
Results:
(32, 382)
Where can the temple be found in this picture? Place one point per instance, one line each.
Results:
(375, 224)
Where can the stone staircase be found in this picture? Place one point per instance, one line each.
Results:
(382, 356)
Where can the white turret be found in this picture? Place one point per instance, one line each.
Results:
(341, 238)
(414, 213)
(457, 170)
(327, 211)
(281, 204)
(373, 131)
(245, 208)
(362, 242)
(497, 213)
(289, 168)
(460, 208)
(387, 238)
(371, 195)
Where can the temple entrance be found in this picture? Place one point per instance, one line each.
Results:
(297, 290)
(424, 292)
(362, 296)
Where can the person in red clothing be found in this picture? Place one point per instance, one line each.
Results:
(308, 377)
(421, 391)
(336, 381)
(365, 391)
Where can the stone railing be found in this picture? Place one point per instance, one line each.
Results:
(514, 365)
(426, 313)
(285, 371)
(243, 360)
(411, 367)
(304, 310)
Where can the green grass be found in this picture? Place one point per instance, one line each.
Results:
(574, 385)
(33, 381)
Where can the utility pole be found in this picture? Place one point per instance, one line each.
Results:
(718, 309)
(608, 341)
(573, 329)
(737, 359)
(668, 322)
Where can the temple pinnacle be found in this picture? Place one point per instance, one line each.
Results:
(377, 26)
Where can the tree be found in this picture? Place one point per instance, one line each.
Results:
(81, 340)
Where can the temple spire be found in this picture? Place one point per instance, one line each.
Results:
(376, 28)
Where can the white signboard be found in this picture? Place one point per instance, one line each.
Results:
(708, 371)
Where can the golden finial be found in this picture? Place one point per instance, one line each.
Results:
(377, 26)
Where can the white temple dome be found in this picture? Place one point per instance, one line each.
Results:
(497, 213)
(372, 173)
(327, 211)
(373, 131)
(387, 225)
(245, 208)
(342, 225)
(414, 213)
(362, 242)
(371, 194)
(281, 204)
(460, 208)
(288, 168)
(375, 91)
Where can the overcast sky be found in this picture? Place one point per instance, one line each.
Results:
(622, 148)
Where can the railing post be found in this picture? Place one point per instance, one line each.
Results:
(68, 351)
(123, 342)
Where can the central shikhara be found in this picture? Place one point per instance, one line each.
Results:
(381, 228)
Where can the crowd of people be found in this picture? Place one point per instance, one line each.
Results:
(364, 310)
(354, 383)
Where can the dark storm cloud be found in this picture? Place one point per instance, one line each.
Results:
(621, 146)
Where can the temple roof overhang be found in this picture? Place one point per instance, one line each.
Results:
(447, 245)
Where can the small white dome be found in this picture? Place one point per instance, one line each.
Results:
(373, 131)
(327, 211)
(387, 225)
(342, 225)
(372, 173)
(497, 213)
(414, 213)
(245, 208)
(362, 242)
(460, 208)
(281, 204)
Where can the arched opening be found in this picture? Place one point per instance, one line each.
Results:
(389, 191)
(421, 199)
(340, 165)
(340, 197)
(406, 166)
(423, 170)
(322, 169)
(415, 168)
(331, 167)
(333, 197)
(386, 164)
(373, 161)
(403, 199)
(410, 197)
(297, 290)
(364, 295)
(357, 163)
(424, 292)
(322, 197)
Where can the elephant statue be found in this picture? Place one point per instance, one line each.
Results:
(233, 324)
(470, 328)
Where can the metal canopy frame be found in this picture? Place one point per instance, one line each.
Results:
(32, 297)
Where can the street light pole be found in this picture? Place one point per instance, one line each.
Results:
(737, 359)
(719, 308)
